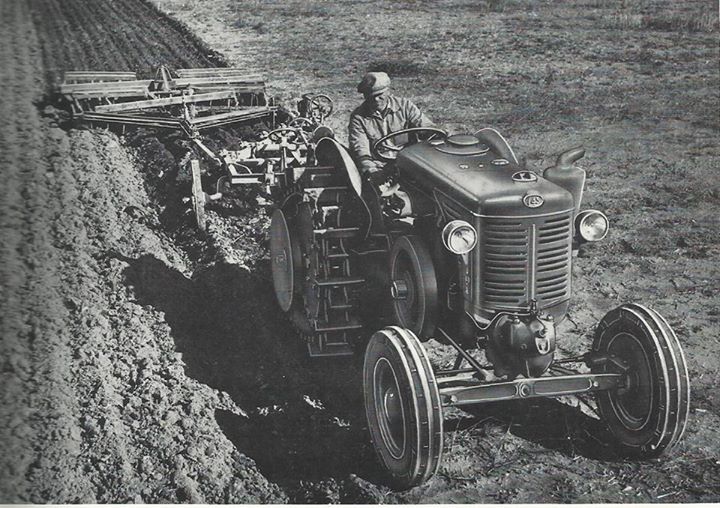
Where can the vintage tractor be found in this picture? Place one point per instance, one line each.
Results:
(465, 246)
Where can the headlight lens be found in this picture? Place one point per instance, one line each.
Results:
(459, 237)
(592, 225)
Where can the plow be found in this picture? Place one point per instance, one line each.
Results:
(194, 101)
(462, 244)
(189, 100)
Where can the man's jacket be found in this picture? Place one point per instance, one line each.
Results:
(367, 126)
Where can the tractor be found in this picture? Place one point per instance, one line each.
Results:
(466, 246)
(462, 245)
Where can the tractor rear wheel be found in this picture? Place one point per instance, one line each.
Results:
(403, 407)
(648, 414)
(414, 286)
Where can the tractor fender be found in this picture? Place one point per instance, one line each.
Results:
(329, 152)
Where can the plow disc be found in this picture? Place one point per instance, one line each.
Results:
(286, 259)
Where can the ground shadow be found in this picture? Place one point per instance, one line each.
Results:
(551, 424)
(306, 421)
(305, 418)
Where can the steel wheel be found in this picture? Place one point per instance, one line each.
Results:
(403, 408)
(649, 413)
(414, 286)
(285, 259)
(320, 107)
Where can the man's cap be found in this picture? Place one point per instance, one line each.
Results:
(374, 83)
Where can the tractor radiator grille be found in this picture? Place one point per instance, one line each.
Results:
(554, 241)
(522, 259)
(505, 259)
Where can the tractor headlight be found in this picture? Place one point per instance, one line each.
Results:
(592, 225)
(459, 237)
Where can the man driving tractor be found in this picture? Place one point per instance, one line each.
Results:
(379, 115)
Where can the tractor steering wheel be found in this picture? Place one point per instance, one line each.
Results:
(382, 143)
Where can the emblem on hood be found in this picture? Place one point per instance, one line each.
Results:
(524, 176)
(533, 200)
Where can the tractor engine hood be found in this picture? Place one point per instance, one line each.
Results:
(478, 177)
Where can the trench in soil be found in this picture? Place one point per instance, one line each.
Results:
(305, 419)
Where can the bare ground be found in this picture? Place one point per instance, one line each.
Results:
(141, 363)
(96, 405)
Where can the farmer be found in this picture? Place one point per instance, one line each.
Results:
(380, 114)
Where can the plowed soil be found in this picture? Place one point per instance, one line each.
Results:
(96, 404)
(143, 363)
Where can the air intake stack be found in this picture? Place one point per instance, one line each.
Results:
(567, 175)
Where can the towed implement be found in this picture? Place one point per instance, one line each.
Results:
(190, 100)
(193, 101)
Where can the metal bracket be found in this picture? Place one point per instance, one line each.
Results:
(594, 360)
(549, 386)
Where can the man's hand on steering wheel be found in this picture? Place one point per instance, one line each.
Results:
(383, 143)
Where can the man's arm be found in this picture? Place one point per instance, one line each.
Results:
(360, 145)
(415, 117)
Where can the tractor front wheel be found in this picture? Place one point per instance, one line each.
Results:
(647, 414)
(403, 407)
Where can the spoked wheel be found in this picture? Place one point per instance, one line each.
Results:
(414, 286)
(648, 413)
(320, 107)
(403, 407)
(285, 134)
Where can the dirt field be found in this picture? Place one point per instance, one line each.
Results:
(144, 364)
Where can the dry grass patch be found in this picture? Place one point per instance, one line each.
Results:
(687, 16)
(706, 22)
(398, 67)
